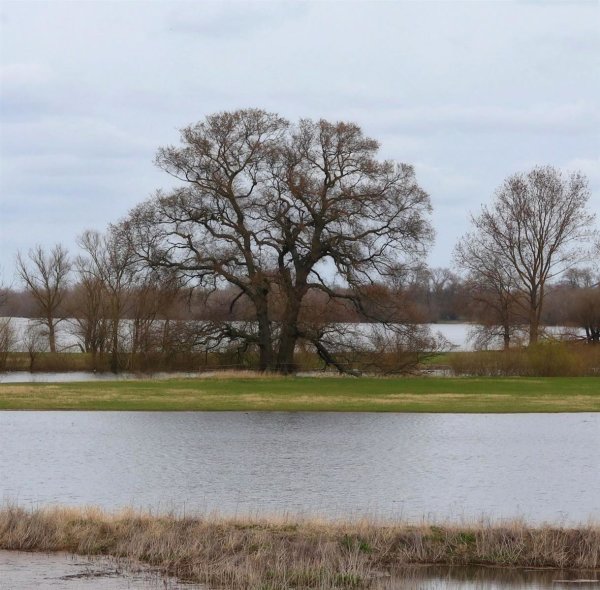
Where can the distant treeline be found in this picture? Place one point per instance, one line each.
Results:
(435, 295)
(154, 325)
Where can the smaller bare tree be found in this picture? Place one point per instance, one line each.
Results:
(491, 284)
(35, 341)
(7, 341)
(536, 227)
(7, 332)
(108, 262)
(584, 311)
(88, 307)
(46, 278)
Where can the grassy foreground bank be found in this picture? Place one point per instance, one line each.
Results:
(424, 394)
(283, 553)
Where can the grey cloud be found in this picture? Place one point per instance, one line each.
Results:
(81, 136)
(219, 20)
(589, 166)
(541, 118)
(467, 92)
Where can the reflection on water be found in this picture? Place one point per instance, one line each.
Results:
(67, 340)
(543, 467)
(59, 571)
(487, 578)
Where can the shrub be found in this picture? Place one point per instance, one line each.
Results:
(545, 359)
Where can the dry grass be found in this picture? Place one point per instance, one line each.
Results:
(239, 374)
(283, 553)
(545, 359)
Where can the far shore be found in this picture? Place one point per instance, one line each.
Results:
(257, 392)
(294, 553)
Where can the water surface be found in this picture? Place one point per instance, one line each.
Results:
(60, 571)
(458, 335)
(79, 376)
(541, 467)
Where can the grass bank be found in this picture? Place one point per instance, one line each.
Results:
(284, 553)
(256, 392)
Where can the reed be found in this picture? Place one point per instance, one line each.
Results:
(269, 553)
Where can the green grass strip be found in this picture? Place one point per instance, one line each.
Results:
(471, 395)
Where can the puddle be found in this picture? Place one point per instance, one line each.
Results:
(62, 571)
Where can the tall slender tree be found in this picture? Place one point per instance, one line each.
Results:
(107, 263)
(46, 277)
(534, 230)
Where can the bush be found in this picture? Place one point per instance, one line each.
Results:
(545, 359)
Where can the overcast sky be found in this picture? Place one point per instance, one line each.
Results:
(467, 92)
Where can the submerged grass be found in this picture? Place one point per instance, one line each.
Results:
(283, 553)
(274, 393)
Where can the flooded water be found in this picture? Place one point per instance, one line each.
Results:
(410, 466)
(20, 570)
(78, 376)
(456, 334)
(60, 571)
(541, 467)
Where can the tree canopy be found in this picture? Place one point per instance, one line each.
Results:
(278, 210)
(533, 231)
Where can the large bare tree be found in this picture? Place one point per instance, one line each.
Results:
(275, 211)
(46, 276)
(534, 229)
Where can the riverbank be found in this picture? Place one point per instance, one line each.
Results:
(255, 392)
(286, 553)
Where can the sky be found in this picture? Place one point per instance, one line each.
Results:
(467, 92)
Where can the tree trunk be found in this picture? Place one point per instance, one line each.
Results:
(265, 340)
(592, 334)
(287, 347)
(534, 317)
(534, 328)
(51, 335)
(114, 356)
(506, 337)
(289, 328)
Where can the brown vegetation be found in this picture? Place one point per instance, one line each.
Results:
(285, 553)
(545, 359)
(383, 359)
